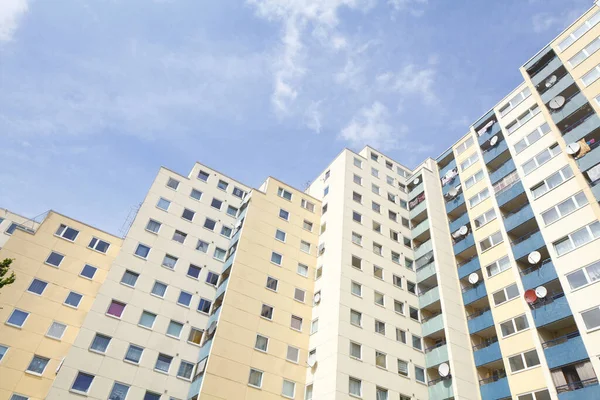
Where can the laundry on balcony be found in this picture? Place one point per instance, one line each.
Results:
(486, 128)
(449, 177)
(584, 148)
(416, 201)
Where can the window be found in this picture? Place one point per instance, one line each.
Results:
(195, 336)
(539, 395)
(67, 232)
(262, 343)
(356, 262)
(151, 395)
(163, 363)
(395, 257)
(3, 349)
(514, 101)
(116, 309)
(479, 197)
(357, 162)
(357, 197)
(376, 226)
(393, 215)
(204, 306)
(276, 258)
(356, 217)
(380, 359)
(531, 138)
(584, 276)
(266, 311)
(376, 207)
(324, 209)
(506, 294)
(498, 266)
(185, 370)
(564, 208)
(464, 146)
(397, 281)
(216, 203)
(395, 236)
(307, 225)
(411, 287)
(401, 335)
(210, 224)
(375, 172)
(414, 313)
(73, 299)
(579, 32)
(163, 204)
(232, 211)
(302, 270)
(307, 205)
(239, 193)
(380, 327)
(134, 353)
(82, 382)
(314, 326)
(179, 236)
(416, 342)
(184, 299)
(212, 278)
(355, 350)
(356, 288)
(402, 367)
(577, 239)
(381, 394)
(551, 182)
(54, 259)
(202, 246)
(523, 361)
(308, 393)
(299, 295)
(219, 254)
(484, 218)
(203, 176)
(305, 246)
(281, 192)
(169, 261)
(159, 289)
(99, 245)
(469, 161)
(356, 238)
(100, 343)
(196, 194)
(283, 214)
(391, 197)
(18, 396)
(119, 391)
(473, 179)
(38, 365)
(272, 283)
(188, 214)
(377, 249)
(514, 325)
(174, 329)
(355, 318)
(142, 250)
(280, 235)
(37, 286)
(541, 158)
(326, 191)
(379, 298)
(357, 179)
(399, 307)
(591, 318)
(581, 56)
(491, 241)
(591, 76)
(355, 387)
(147, 319)
(293, 353)
(88, 271)
(375, 189)
(522, 119)
(296, 323)
(222, 184)
(173, 183)
(419, 374)
(56, 330)
(389, 180)
(255, 378)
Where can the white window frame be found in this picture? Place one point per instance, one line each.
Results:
(506, 298)
(491, 240)
(523, 119)
(553, 150)
(544, 182)
(461, 148)
(486, 217)
(533, 137)
(472, 159)
(473, 179)
(589, 278)
(585, 53)
(514, 325)
(502, 264)
(579, 32)
(569, 237)
(522, 356)
(578, 204)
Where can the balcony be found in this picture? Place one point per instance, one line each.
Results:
(474, 294)
(588, 390)
(551, 309)
(487, 353)
(416, 190)
(545, 72)
(494, 388)
(596, 191)
(429, 297)
(573, 104)
(451, 165)
(489, 134)
(480, 321)
(526, 244)
(469, 267)
(423, 249)
(227, 265)
(557, 88)
(534, 277)
(501, 172)
(495, 151)
(214, 317)
(418, 209)
(441, 389)
(432, 325)
(518, 218)
(581, 128)
(436, 355)
(204, 350)
(460, 221)
(565, 350)
(509, 193)
(421, 228)
(464, 244)
(446, 188)
(425, 271)
(454, 203)
(590, 159)
(221, 289)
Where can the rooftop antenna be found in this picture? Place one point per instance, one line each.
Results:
(129, 220)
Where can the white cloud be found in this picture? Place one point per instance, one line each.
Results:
(415, 7)
(370, 127)
(411, 80)
(11, 12)
(543, 21)
(313, 116)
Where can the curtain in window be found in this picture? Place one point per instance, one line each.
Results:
(585, 370)
(119, 392)
(163, 362)
(382, 394)
(134, 353)
(37, 286)
(594, 271)
(402, 367)
(255, 378)
(116, 309)
(100, 343)
(147, 319)
(129, 278)
(559, 378)
(185, 369)
(355, 387)
(56, 330)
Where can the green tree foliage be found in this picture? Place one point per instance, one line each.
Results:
(4, 267)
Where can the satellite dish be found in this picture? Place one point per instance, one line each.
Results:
(541, 292)
(317, 298)
(311, 362)
(551, 81)
(444, 370)
(493, 141)
(473, 278)
(530, 296)
(452, 192)
(450, 174)
(572, 149)
(534, 257)
(557, 102)
(416, 181)
(463, 230)
(212, 328)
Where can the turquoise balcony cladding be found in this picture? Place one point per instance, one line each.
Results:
(429, 297)
(596, 191)
(540, 276)
(508, 194)
(590, 124)
(214, 317)
(441, 390)
(417, 210)
(432, 325)
(227, 264)
(516, 219)
(490, 134)
(222, 287)
(504, 170)
(195, 387)
(204, 350)
(415, 191)
(423, 249)
(589, 160)
(591, 392)
(557, 88)
(495, 151)
(451, 165)
(554, 311)
(457, 201)
(532, 243)
(236, 237)
(572, 105)
(552, 66)
(487, 355)
(425, 272)
(481, 322)
(468, 268)
(567, 352)
(495, 390)
(422, 227)
(474, 294)
(460, 221)
(436, 356)
(464, 244)
(446, 188)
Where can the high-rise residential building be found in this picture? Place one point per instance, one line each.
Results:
(470, 276)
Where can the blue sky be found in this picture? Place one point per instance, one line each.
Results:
(96, 95)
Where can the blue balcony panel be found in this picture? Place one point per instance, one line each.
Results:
(510, 193)
(419, 229)
(518, 218)
(441, 390)
(480, 121)
(451, 165)
(426, 271)
(565, 350)
(418, 209)
(590, 124)
(466, 269)
(587, 390)
(454, 203)
(464, 244)
(481, 322)
(460, 221)
(540, 276)
(557, 309)
(436, 356)
(423, 249)
(214, 317)
(557, 88)
(221, 289)
(474, 294)
(495, 151)
(204, 350)
(432, 325)
(417, 190)
(429, 297)
(487, 355)
(504, 170)
(495, 390)
(552, 66)
(195, 386)
(444, 154)
(446, 188)
(494, 130)
(589, 160)
(532, 243)
(573, 104)
(227, 264)
(596, 191)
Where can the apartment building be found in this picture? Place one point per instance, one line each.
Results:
(9, 221)
(60, 265)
